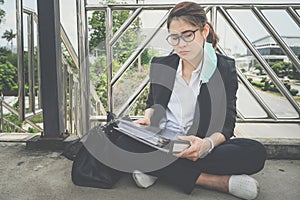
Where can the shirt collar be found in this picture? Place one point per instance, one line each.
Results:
(196, 71)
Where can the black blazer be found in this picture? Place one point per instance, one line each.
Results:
(216, 105)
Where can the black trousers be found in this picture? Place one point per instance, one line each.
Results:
(233, 157)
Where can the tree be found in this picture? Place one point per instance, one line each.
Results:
(125, 45)
(9, 36)
(8, 76)
(2, 12)
(122, 50)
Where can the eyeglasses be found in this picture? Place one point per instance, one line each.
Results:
(187, 36)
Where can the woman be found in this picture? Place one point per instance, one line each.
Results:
(214, 160)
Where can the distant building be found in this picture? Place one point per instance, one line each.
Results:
(270, 50)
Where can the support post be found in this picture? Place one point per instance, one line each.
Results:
(51, 68)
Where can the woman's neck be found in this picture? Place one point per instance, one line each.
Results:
(193, 63)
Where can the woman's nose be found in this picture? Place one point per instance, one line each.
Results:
(182, 43)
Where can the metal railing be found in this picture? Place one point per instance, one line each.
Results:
(82, 105)
(213, 9)
(71, 83)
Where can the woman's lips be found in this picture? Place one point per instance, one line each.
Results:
(183, 52)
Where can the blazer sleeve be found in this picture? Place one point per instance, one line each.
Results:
(150, 100)
(231, 86)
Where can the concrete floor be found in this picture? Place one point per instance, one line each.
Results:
(36, 175)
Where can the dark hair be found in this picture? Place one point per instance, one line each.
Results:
(195, 15)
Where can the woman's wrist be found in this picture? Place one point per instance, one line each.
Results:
(212, 145)
(208, 150)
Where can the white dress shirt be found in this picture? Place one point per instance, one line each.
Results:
(181, 107)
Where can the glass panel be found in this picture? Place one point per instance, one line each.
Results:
(249, 66)
(253, 110)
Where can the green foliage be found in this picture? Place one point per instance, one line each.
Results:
(140, 103)
(12, 58)
(258, 84)
(9, 36)
(294, 92)
(8, 75)
(37, 119)
(9, 71)
(14, 119)
(122, 50)
(2, 12)
(267, 85)
(259, 67)
(98, 77)
(32, 130)
(281, 68)
(125, 45)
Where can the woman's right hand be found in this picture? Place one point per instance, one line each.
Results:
(145, 121)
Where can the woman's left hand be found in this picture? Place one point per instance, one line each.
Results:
(198, 147)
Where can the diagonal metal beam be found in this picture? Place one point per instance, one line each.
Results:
(137, 52)
(294, 15)
(291, 55)
(133, 97)
(253, 92)
(260, 59)
(124, 26)
(11, 109)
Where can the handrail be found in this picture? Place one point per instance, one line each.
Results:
(16, 127)
(214, 8)
(70, 87)
(11, 109)
(275, 5)
(66, 41)
(78, 120)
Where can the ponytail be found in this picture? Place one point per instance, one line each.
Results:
(212, 36)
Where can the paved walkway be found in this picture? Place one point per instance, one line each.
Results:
(37, 175)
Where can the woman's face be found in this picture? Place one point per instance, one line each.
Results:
(190, 51)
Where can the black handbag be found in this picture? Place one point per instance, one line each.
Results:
(89, 171)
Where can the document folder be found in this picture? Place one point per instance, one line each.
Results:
(162, 139)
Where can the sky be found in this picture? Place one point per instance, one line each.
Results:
(280, 20)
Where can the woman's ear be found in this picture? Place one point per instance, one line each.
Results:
(205, 31)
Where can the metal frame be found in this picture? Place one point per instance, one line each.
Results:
(70, 87)
(213, 8)
(51, 64)
(21, 71)
(1, 113)
(261, 60)
(83, 65)
(77, 93)
(31, 66)
(277, 37)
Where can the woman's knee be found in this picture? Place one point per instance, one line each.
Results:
(252, 154)
(258, 155)
(261, 156)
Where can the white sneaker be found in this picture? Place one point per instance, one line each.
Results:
(143, 180)
(243, 186)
